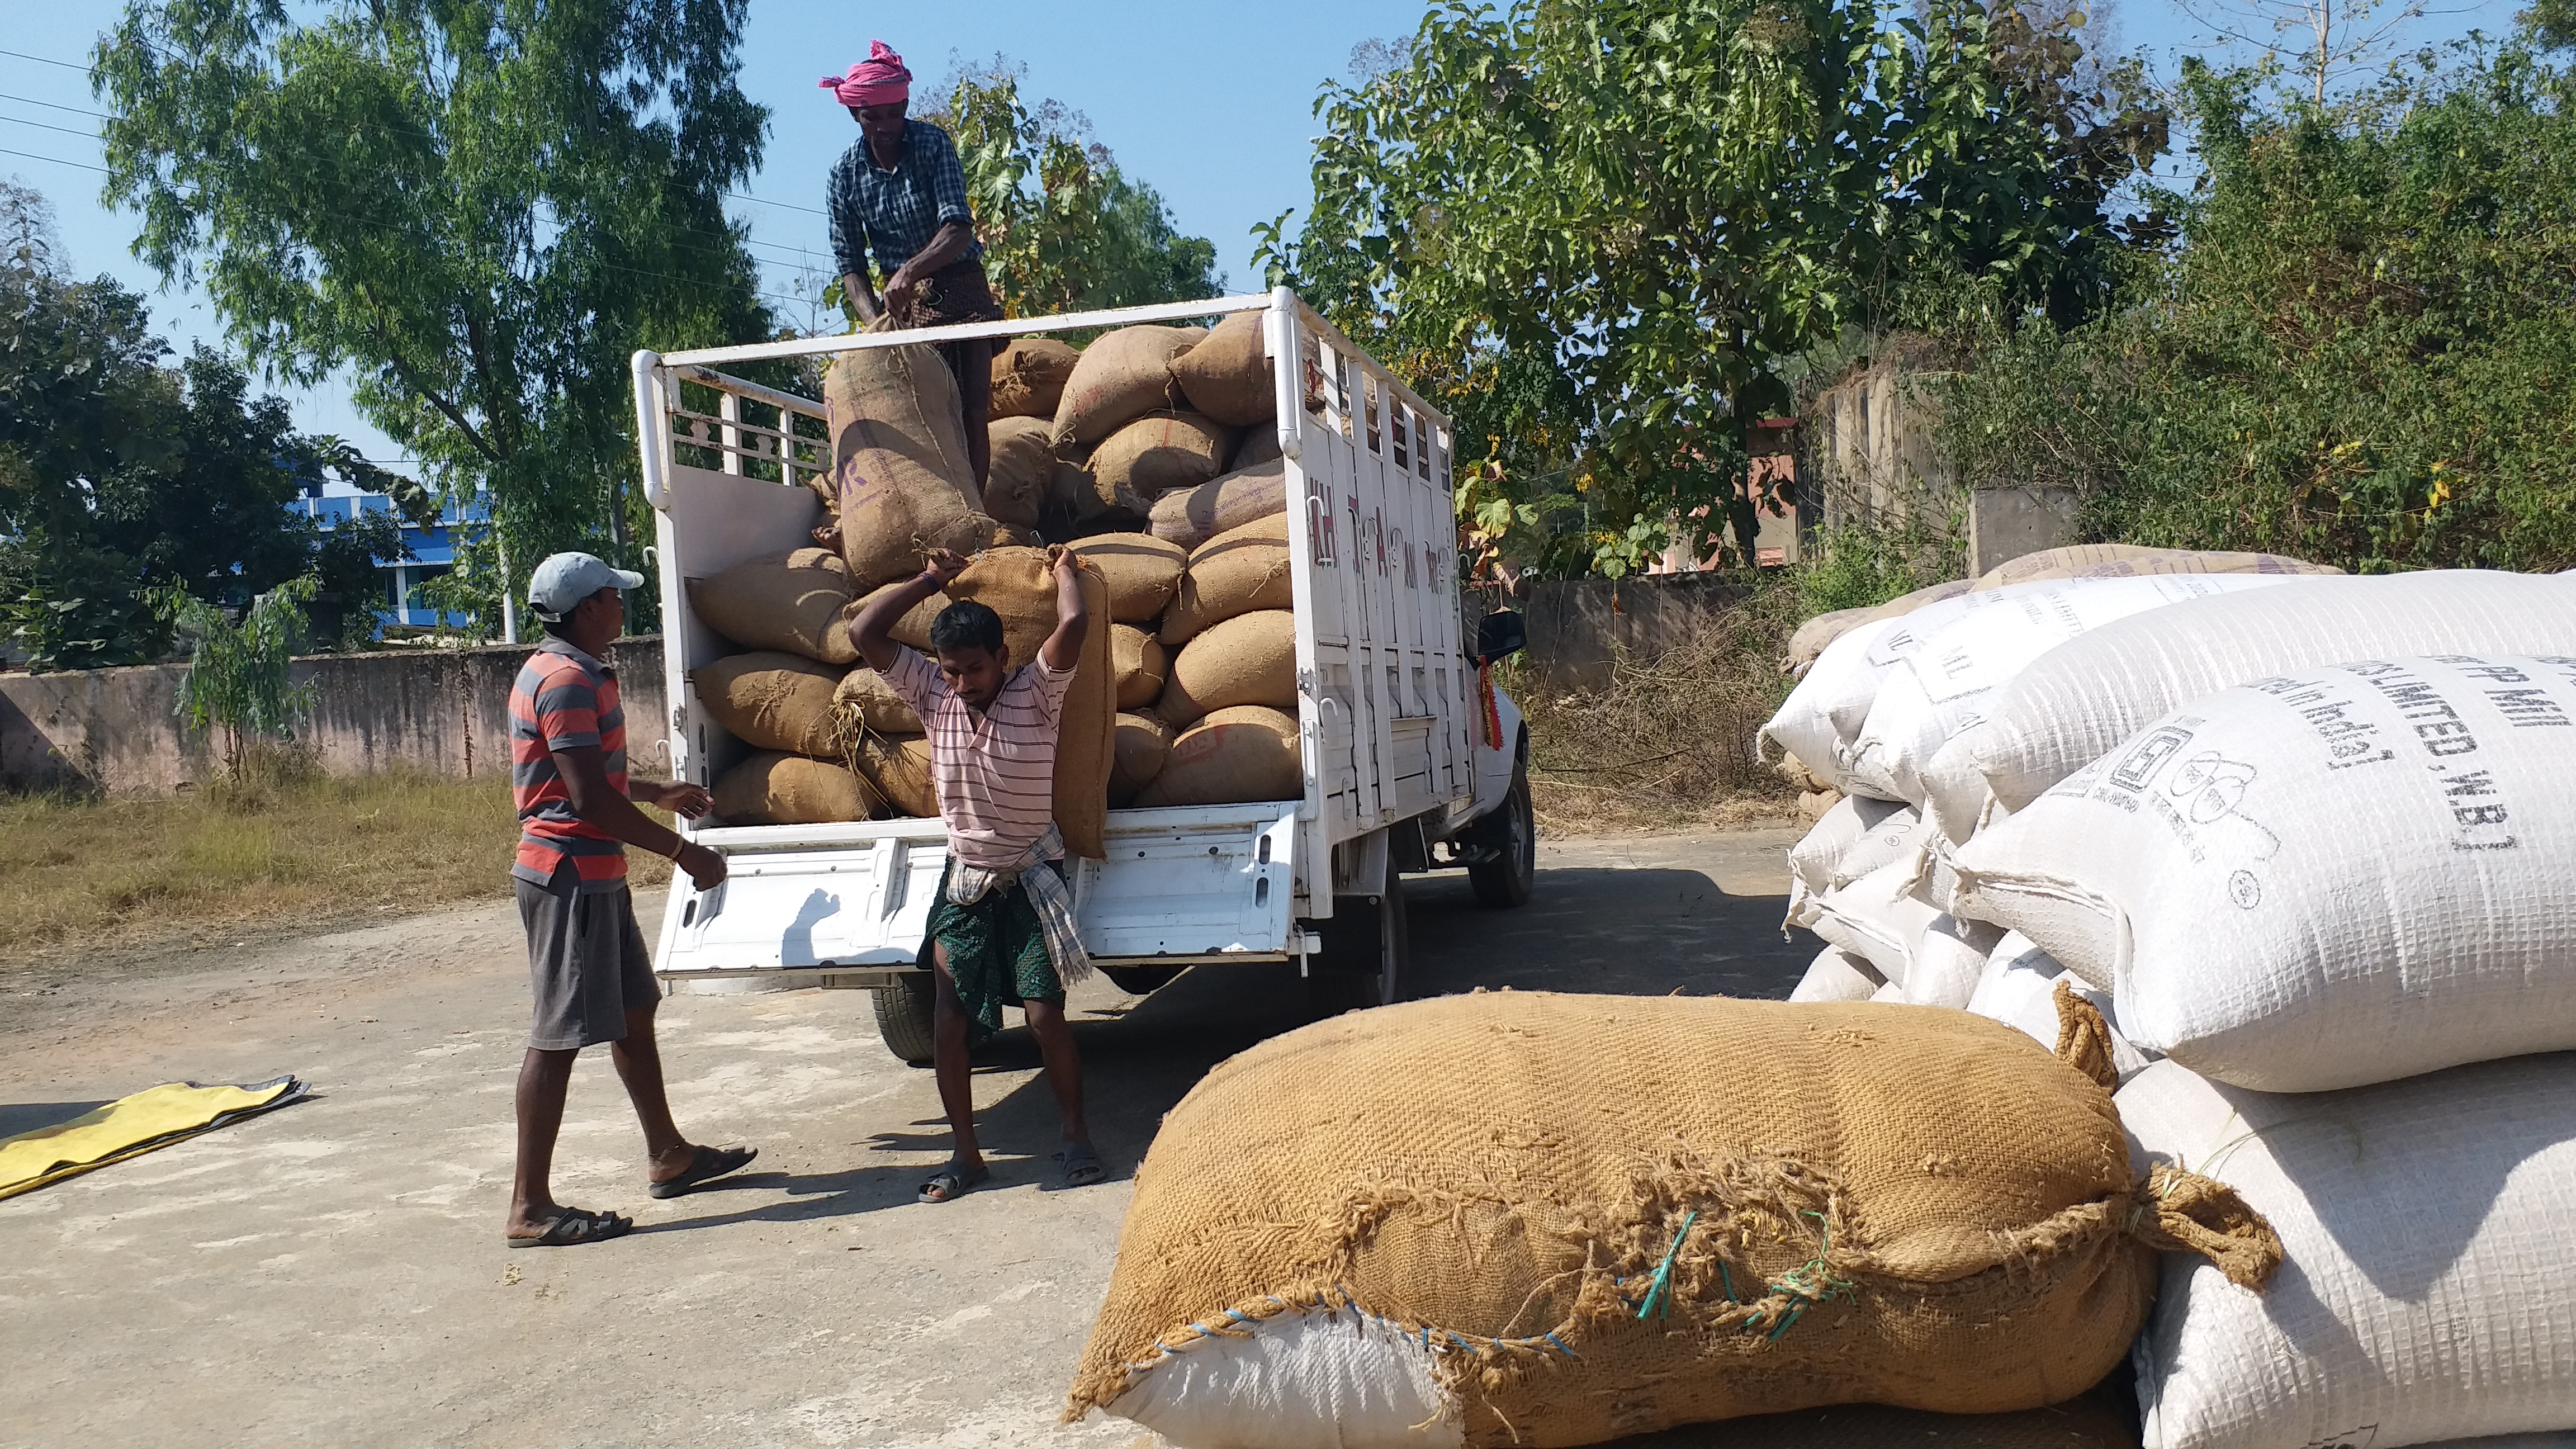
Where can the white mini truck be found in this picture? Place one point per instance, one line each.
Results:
(1411, 763)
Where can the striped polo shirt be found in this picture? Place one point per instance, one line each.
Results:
(995, 771)
(564, 700)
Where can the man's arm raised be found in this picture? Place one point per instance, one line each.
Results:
(1063, 648)
(871, 632)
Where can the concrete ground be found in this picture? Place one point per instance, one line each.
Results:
(333, 1273)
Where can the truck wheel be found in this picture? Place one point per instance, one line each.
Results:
(904, 1016)
(1506, 878)
(1366, 951)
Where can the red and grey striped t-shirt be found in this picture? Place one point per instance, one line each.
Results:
(995, 771)
(564, 700)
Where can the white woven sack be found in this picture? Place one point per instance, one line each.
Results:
(2333, 877)
(1802, 726)
(1945, 685)
(1816, 860)
(1947, 961)
(1298, 1381)
(2429, 1286)
(1875, 917)
(1837, 975)
(2019, 989)
(2085, 697)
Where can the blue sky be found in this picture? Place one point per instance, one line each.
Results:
(1211, 102)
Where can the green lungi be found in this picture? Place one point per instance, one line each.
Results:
(997, 954)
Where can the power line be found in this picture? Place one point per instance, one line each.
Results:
(732, 195)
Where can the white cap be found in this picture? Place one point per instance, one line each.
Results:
(565, 579)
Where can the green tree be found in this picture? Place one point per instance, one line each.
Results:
(119, 473)
(1594, 230)
(1063, 228)
(240, 672)
(480, 210)
(2363, 355)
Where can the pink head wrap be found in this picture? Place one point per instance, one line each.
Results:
(879, 80)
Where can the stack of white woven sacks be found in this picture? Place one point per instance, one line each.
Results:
(2310, 845)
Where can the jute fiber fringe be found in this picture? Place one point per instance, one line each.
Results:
(1605, 1216)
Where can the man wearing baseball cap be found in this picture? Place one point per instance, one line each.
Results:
(586, 958)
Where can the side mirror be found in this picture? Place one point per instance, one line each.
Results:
(1500, 635)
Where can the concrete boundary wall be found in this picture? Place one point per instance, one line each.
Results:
(1574, 623)
(445, 711)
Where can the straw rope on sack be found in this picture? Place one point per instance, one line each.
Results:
(1584, 1217)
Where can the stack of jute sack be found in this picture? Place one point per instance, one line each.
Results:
(1518, 1218)
(1119, 448)
(2308, 849)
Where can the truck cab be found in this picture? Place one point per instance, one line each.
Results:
(1411, 758)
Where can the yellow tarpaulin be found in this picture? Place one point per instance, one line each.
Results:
(136, 1124)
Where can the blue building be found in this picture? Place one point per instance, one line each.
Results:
(433, 549)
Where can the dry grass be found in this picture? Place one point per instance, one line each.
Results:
(1669, 744)
(282, 850)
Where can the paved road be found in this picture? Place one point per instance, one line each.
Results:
(332, 1274)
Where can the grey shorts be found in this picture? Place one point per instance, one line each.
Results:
(587, 961)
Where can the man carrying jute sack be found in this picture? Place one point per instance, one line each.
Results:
(1002, 930)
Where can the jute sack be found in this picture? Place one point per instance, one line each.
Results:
(1160, 452)
(765, 604)
(1143, 742)
(1029, 377)
(1242, 753)
(772, 701)
(913, 627)
(777, 789)
(1084, 502)
(2085, 697)
(1540, 1219)
(2323, 879)
(1118, 379)
(1943, 685)
(899, 462)
(864, 701)
(1236, 572)
(1019, 585)
(1837, 975)
(1227, 375)
(1248, 659)
(1023, 464)
(817, 558)
(1879, 917)
(1192, 516)
(900, 771)
(1259, 446)
(2428, 1288)
(1140, 663)
(2126, 560)
(1143, 572)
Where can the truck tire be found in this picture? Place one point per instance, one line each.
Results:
(1506, 877)
(1368, 947)
(904, 1016)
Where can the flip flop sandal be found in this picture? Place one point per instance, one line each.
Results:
(1082, 1166)
(575, 1226)
(711, 1163)
(953, 1182)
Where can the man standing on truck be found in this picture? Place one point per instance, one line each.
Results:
(586, 958)
(1001, 931)
(901, 194)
